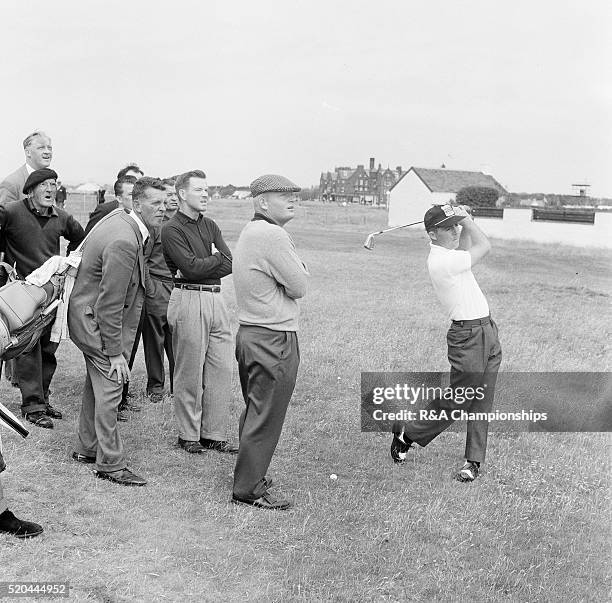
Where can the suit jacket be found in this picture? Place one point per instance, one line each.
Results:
(11, 188)
(97, 214)
(108, 294)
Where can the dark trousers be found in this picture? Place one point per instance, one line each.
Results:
(35, 371)
(267, 364)
(126, 385)
(474, 353)
(157, 337)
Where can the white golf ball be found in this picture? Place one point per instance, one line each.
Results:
(333, 476)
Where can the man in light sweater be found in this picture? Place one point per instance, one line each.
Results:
(268, 277)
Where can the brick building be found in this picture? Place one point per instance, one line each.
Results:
(359, 185)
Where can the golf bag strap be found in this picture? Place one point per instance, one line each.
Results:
(79, 249)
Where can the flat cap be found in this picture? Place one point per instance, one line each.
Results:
(38, 176)
(271, 183)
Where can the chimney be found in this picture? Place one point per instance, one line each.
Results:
(371, 163)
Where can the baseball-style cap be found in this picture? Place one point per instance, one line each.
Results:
(271, 183)
(441, 215)
(38, 176)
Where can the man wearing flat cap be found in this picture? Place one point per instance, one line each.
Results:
(269, 278)
(474, 352)
(30, 232)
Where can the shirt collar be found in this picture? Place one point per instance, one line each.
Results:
(50, 212)
(259, 216)
(184, 218)
(144, 231)
(29, 168)
(440, 249)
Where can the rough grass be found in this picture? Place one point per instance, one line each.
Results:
(535, 527)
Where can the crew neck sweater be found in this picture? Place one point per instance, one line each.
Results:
(269, 277)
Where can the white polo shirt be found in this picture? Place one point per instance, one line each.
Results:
(451, 275)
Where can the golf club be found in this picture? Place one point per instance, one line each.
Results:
(369, 242)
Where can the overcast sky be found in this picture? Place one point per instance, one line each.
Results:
(519, 89)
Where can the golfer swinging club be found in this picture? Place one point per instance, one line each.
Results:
(474, 351)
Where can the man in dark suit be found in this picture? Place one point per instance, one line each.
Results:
(60, 197)
(103, 314)
(38, 152)
(156, 334)
(123, 198)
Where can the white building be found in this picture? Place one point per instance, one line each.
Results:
(420, 188)
(241, 193)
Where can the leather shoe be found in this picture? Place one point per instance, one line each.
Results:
(83, 458)
(155, 397)
(53, 412)
(39, 418)
(124, 477)
(9, 524)
(219, 446)
(131, 406)
(191, 446)
(265, 501)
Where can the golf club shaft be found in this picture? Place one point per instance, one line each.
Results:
(397, 227)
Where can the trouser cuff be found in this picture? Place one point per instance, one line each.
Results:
(107, 468)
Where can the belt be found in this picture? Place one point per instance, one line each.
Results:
(163, 279)
(197, 287)
(474, 321)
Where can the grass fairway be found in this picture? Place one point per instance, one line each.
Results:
(534, 527)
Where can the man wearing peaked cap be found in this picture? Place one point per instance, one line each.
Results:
(30, 232)
(474, 351)
(269, 278)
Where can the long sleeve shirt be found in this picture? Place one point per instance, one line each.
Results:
(29, 237)
(187, 247)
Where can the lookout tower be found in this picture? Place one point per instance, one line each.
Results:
(580, 190)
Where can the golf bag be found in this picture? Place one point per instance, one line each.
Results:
(25, 311)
